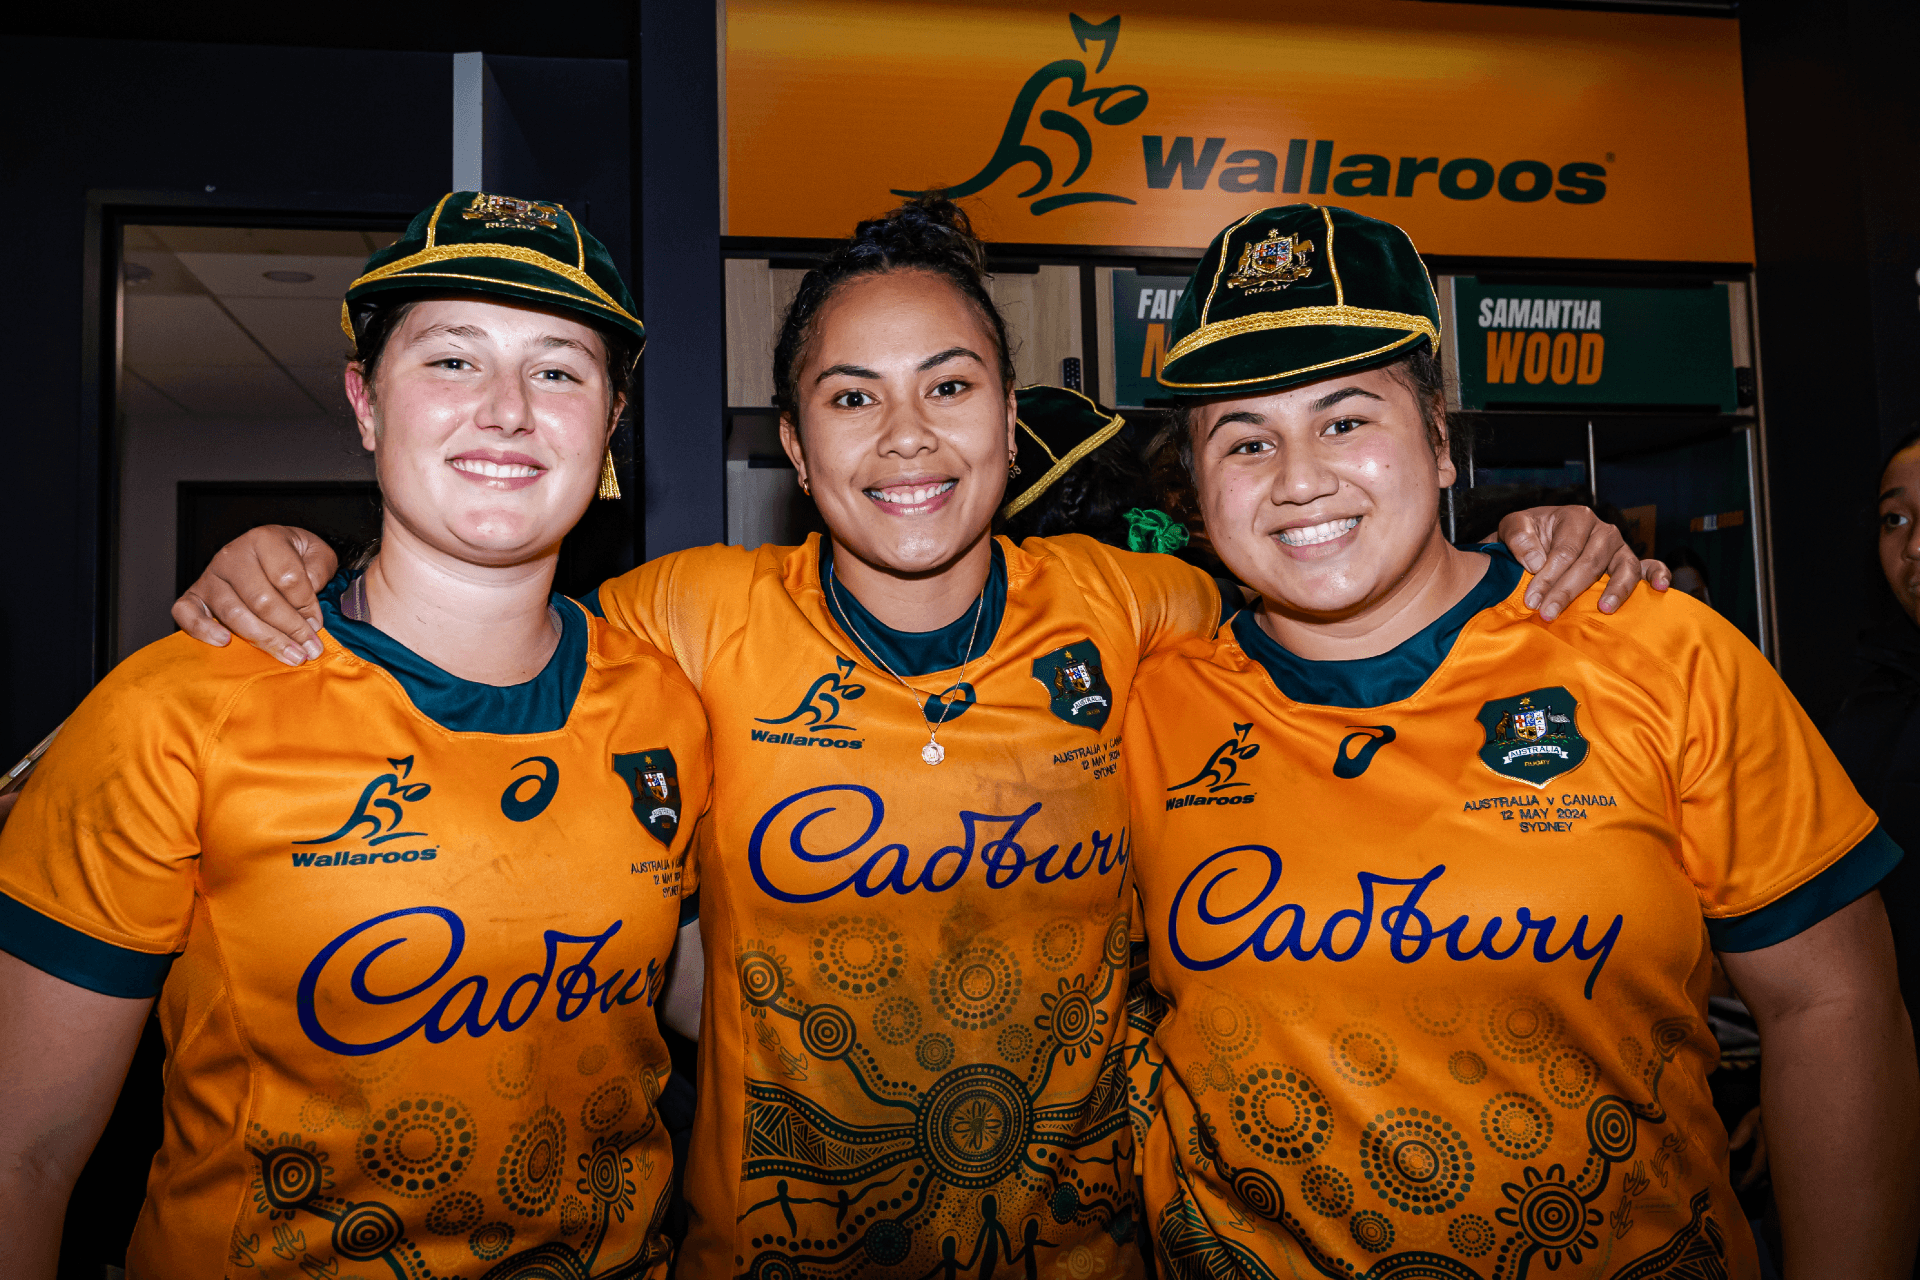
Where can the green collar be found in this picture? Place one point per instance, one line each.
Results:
(1393, 676)
(541, 705)
(916, 653)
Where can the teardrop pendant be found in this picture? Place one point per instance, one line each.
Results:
(933, 752)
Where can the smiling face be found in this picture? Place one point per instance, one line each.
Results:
(1322, 497)
(487, 422)
(905, 430)
(1900, 528)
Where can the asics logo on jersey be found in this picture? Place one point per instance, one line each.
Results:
(1215, 919)
(364, 1014)
(378, 811)
(1370, 737)
(820, 708)
(818, 843)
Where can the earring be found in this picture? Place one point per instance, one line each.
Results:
(1013, 468)
(803, 487)
(609, 478)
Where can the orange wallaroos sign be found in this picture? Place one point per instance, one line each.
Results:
(1483, 130)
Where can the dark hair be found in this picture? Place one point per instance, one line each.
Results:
(1092, 497)
(1420, 372)
(376, 320)
(929, 234)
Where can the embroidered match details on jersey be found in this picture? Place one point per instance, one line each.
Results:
(911, 1047)
(416, 928)
(1437, 1003)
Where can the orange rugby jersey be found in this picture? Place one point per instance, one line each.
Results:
(406, 931)
(1434, 930)
(911, 1043)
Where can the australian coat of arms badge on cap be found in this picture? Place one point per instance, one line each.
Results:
(1078, 688)
(1533, 738)
(507, 213)
(654, 782)
(1273, 263)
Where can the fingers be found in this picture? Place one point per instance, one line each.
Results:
(1658, 576)
(243, 616)
(1576, 555)
(1524, 536)
(261, 586)
(1623, 575)
(7, 802)
(191, 615)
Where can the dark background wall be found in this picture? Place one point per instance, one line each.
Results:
(1833, 132)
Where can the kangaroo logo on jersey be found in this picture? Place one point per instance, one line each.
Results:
(1533, 738)
(1079, 688)
(820, 708)
(655, 783)
(378, 813)
(1220, 768)
(1351, 763)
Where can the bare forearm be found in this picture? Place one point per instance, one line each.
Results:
(1838, 1092)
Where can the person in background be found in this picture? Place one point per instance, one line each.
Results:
(1876, 730)
(1077, 471)
(1690, 574)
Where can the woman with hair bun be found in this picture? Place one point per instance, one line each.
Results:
(915, 875)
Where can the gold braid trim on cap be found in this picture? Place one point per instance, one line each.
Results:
(512, 253)
(1300, 318)
(1291, 373)
(1061, 465)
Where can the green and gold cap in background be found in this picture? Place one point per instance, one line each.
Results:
(528, 250)
(1057, 428)
(1294, 294)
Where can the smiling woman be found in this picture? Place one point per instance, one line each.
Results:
(913, 880)
(1477, 875)
(342, 876)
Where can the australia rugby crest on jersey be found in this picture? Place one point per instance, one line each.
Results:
(655, 784)
(1533, 738)
(1079, 688)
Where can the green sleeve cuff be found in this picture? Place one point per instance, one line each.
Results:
(1858, 870)
(689, 908)
(72, 956)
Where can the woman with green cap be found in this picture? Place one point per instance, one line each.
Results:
(914, 882)
(406, 908)
(1433, 892)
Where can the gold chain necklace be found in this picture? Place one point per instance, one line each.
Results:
(933, 753)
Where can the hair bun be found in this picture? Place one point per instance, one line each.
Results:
(929, 231)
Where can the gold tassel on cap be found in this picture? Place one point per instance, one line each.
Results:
(609, 479)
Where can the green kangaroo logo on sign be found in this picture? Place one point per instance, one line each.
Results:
(1115, 105)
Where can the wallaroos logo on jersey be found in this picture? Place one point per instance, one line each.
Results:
(1195, 162)
(1219, 773)
(1533, 738)
(376, 819)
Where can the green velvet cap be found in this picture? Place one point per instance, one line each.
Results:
(1057, 428)
(527, 250)
(1294, 294)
